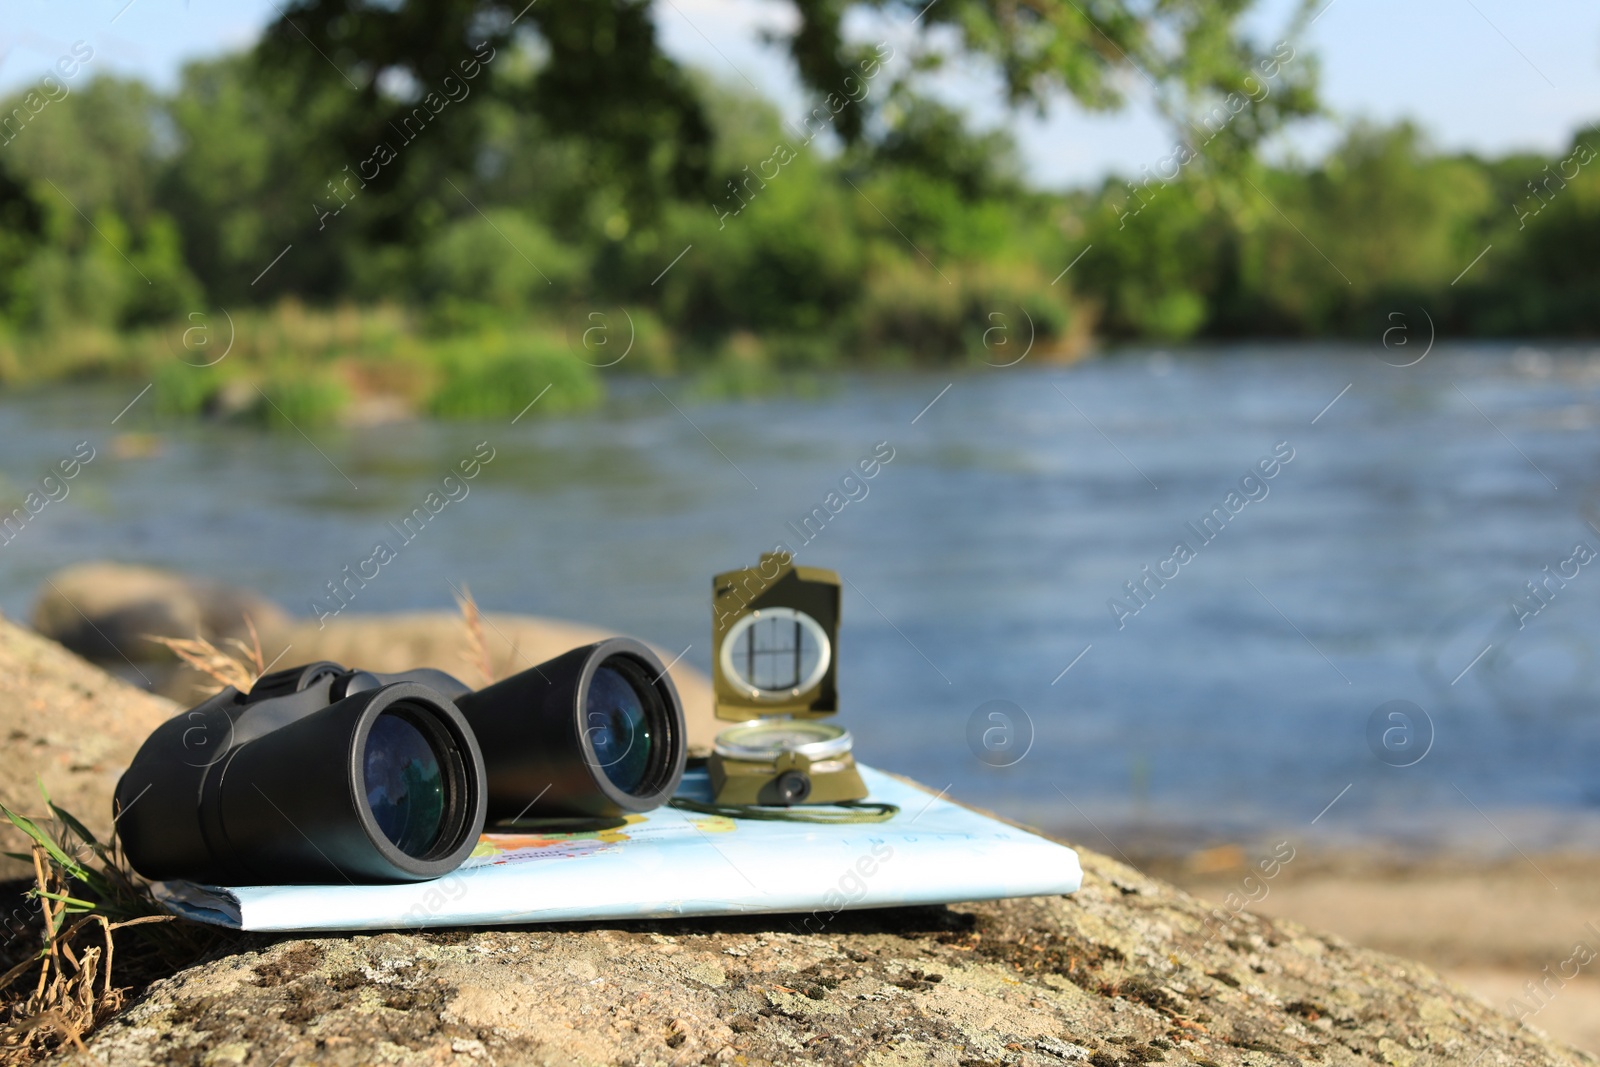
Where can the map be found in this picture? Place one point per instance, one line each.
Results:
(671, 863)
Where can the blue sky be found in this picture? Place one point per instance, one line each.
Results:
(1485, 75)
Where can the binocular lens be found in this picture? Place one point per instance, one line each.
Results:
(619, 712)
(405, 784)
(309, 785)
(596, 732)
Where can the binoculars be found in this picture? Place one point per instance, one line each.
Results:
(323, 774)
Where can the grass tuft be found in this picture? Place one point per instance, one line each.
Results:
(62, 988)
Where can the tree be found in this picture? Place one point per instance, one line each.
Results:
(604, 78)
(21, 234)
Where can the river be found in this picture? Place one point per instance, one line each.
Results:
(1407, 509)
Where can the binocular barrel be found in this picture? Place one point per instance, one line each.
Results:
(597, 732)
(323, 774)
(385, 785)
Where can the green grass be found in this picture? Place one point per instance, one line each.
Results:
(498, 375)
(64, 985)
(293, 366)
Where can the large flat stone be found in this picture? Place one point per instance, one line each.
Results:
(1122, 972)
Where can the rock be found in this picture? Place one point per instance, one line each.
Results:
(1102, 977)
(106, 611)
(67, 723)
(1125, 971)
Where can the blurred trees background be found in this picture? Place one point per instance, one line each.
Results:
(461, 187)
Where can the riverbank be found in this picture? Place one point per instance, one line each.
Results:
(1492, 927)
(291, 364)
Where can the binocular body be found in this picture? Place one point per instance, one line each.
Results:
(322, 774)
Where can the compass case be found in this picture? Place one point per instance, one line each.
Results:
(774, 663)
(762, 615)
(790, 779)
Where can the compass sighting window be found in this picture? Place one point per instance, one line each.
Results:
(775, 654)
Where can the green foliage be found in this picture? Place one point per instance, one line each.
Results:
(1155, 257)
(180, 389)
(90, 244)
(1382, 216)
(86, 896)
(788, 259)
(1383, 223)
(240, 185)
(607, 83)
(294, 398)
(1550, 226)
(926, 137)
(295, 367)
(990, 313)
(449, 213)
(494, 375)
(283, 396)
(500, 263)
(99, 869)
(22, 231)
(633, 341)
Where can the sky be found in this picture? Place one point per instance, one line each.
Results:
(1490, 76)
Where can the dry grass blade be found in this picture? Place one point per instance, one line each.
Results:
(74, 992)
(477, 653)
(254, 660)
(220, 666)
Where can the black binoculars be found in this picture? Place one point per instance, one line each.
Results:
(324, 774)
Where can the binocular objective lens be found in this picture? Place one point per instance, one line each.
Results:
(405, 784)
(617, 716)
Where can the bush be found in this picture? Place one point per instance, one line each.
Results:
(984, 312)
(495, 376)
(184, 390)
(497, 264)
(292, 398)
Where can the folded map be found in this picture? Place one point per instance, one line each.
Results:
(673, 863)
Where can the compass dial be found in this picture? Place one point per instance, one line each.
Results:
(766, 741)
(775, 654)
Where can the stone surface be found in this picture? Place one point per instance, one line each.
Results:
(66, 723)
(1126, 971)
(106, 611)
(1087, 979)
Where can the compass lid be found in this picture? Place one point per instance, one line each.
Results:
(773, 634)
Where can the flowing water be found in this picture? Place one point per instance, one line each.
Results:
(1380, 563)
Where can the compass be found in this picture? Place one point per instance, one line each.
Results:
(774, 630)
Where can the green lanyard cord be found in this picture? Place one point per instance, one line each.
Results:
(846, 811)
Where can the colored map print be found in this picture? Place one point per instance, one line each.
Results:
(495, 849)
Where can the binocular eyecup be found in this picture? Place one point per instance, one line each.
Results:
(324, 774)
